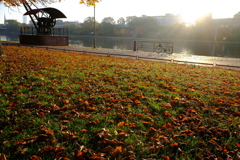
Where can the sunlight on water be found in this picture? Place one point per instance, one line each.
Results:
(185, 51)
(3, 38)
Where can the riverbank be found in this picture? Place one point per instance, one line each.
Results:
(211, 61)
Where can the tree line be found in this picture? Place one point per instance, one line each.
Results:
(131, 26)
(11, 26)
(146, 27)
(204, 29)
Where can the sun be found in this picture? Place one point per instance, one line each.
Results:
(191, 17)
(190, 13)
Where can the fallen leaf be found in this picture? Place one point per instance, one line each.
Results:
(84, 130)
(2, 156)
(66, 101)
(107, 149)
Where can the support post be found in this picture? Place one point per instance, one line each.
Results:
(94, 40)
(1, 49)
(135, 46)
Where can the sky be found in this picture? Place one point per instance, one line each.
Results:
(189, 9)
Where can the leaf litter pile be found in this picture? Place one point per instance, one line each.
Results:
(66, 105)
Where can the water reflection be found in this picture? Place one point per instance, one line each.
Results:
(181, 47)
(3, 38)
(103, 42)
(208, 49)
(12, 37)
(78, 43)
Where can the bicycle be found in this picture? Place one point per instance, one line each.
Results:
(160, 47)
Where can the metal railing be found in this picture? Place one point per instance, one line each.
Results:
(27, 30)
(153, 46)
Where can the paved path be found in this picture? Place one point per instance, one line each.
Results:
(231, 63)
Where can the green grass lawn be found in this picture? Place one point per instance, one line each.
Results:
(65, 105)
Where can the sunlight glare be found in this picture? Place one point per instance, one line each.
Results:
(191, 17)
(191, 13)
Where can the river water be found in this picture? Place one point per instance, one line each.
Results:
(223, 49)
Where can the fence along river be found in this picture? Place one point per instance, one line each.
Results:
(221, 49)
(217, 49)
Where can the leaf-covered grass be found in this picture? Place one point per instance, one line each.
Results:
(67, 105)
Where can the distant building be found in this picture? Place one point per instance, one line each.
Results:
(71, 22)
(224, 26)
(59, 22)
(168, 19)
(5, 20)
(25, 19)
(223, 22)
(236, 20)
(3, 26)
(228, 22)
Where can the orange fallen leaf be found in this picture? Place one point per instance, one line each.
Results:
(61, 148)
(167, 105)
(51, 133)
(120, 124)
(66, 101)
(176, 98)
(118, 150)
(65, 121)
(174, 144)
(238, 145)
(145, 122)
(42, 114)
(167, 157)
(79, 153)
(136, 102)
(122, 134)
(86, 103)
(74, 137)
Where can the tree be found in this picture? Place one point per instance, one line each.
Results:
(87, 25)
(73, 29)
(130, 19)
(107, 29)
(142, 26)
(204, 28)
(13, 25)
(109, 20)
(121, 32)
(16, 3)
(175, 31)
(89, 2)
(235, 36)
(107, 26)
(121, 21)
(223, 33)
